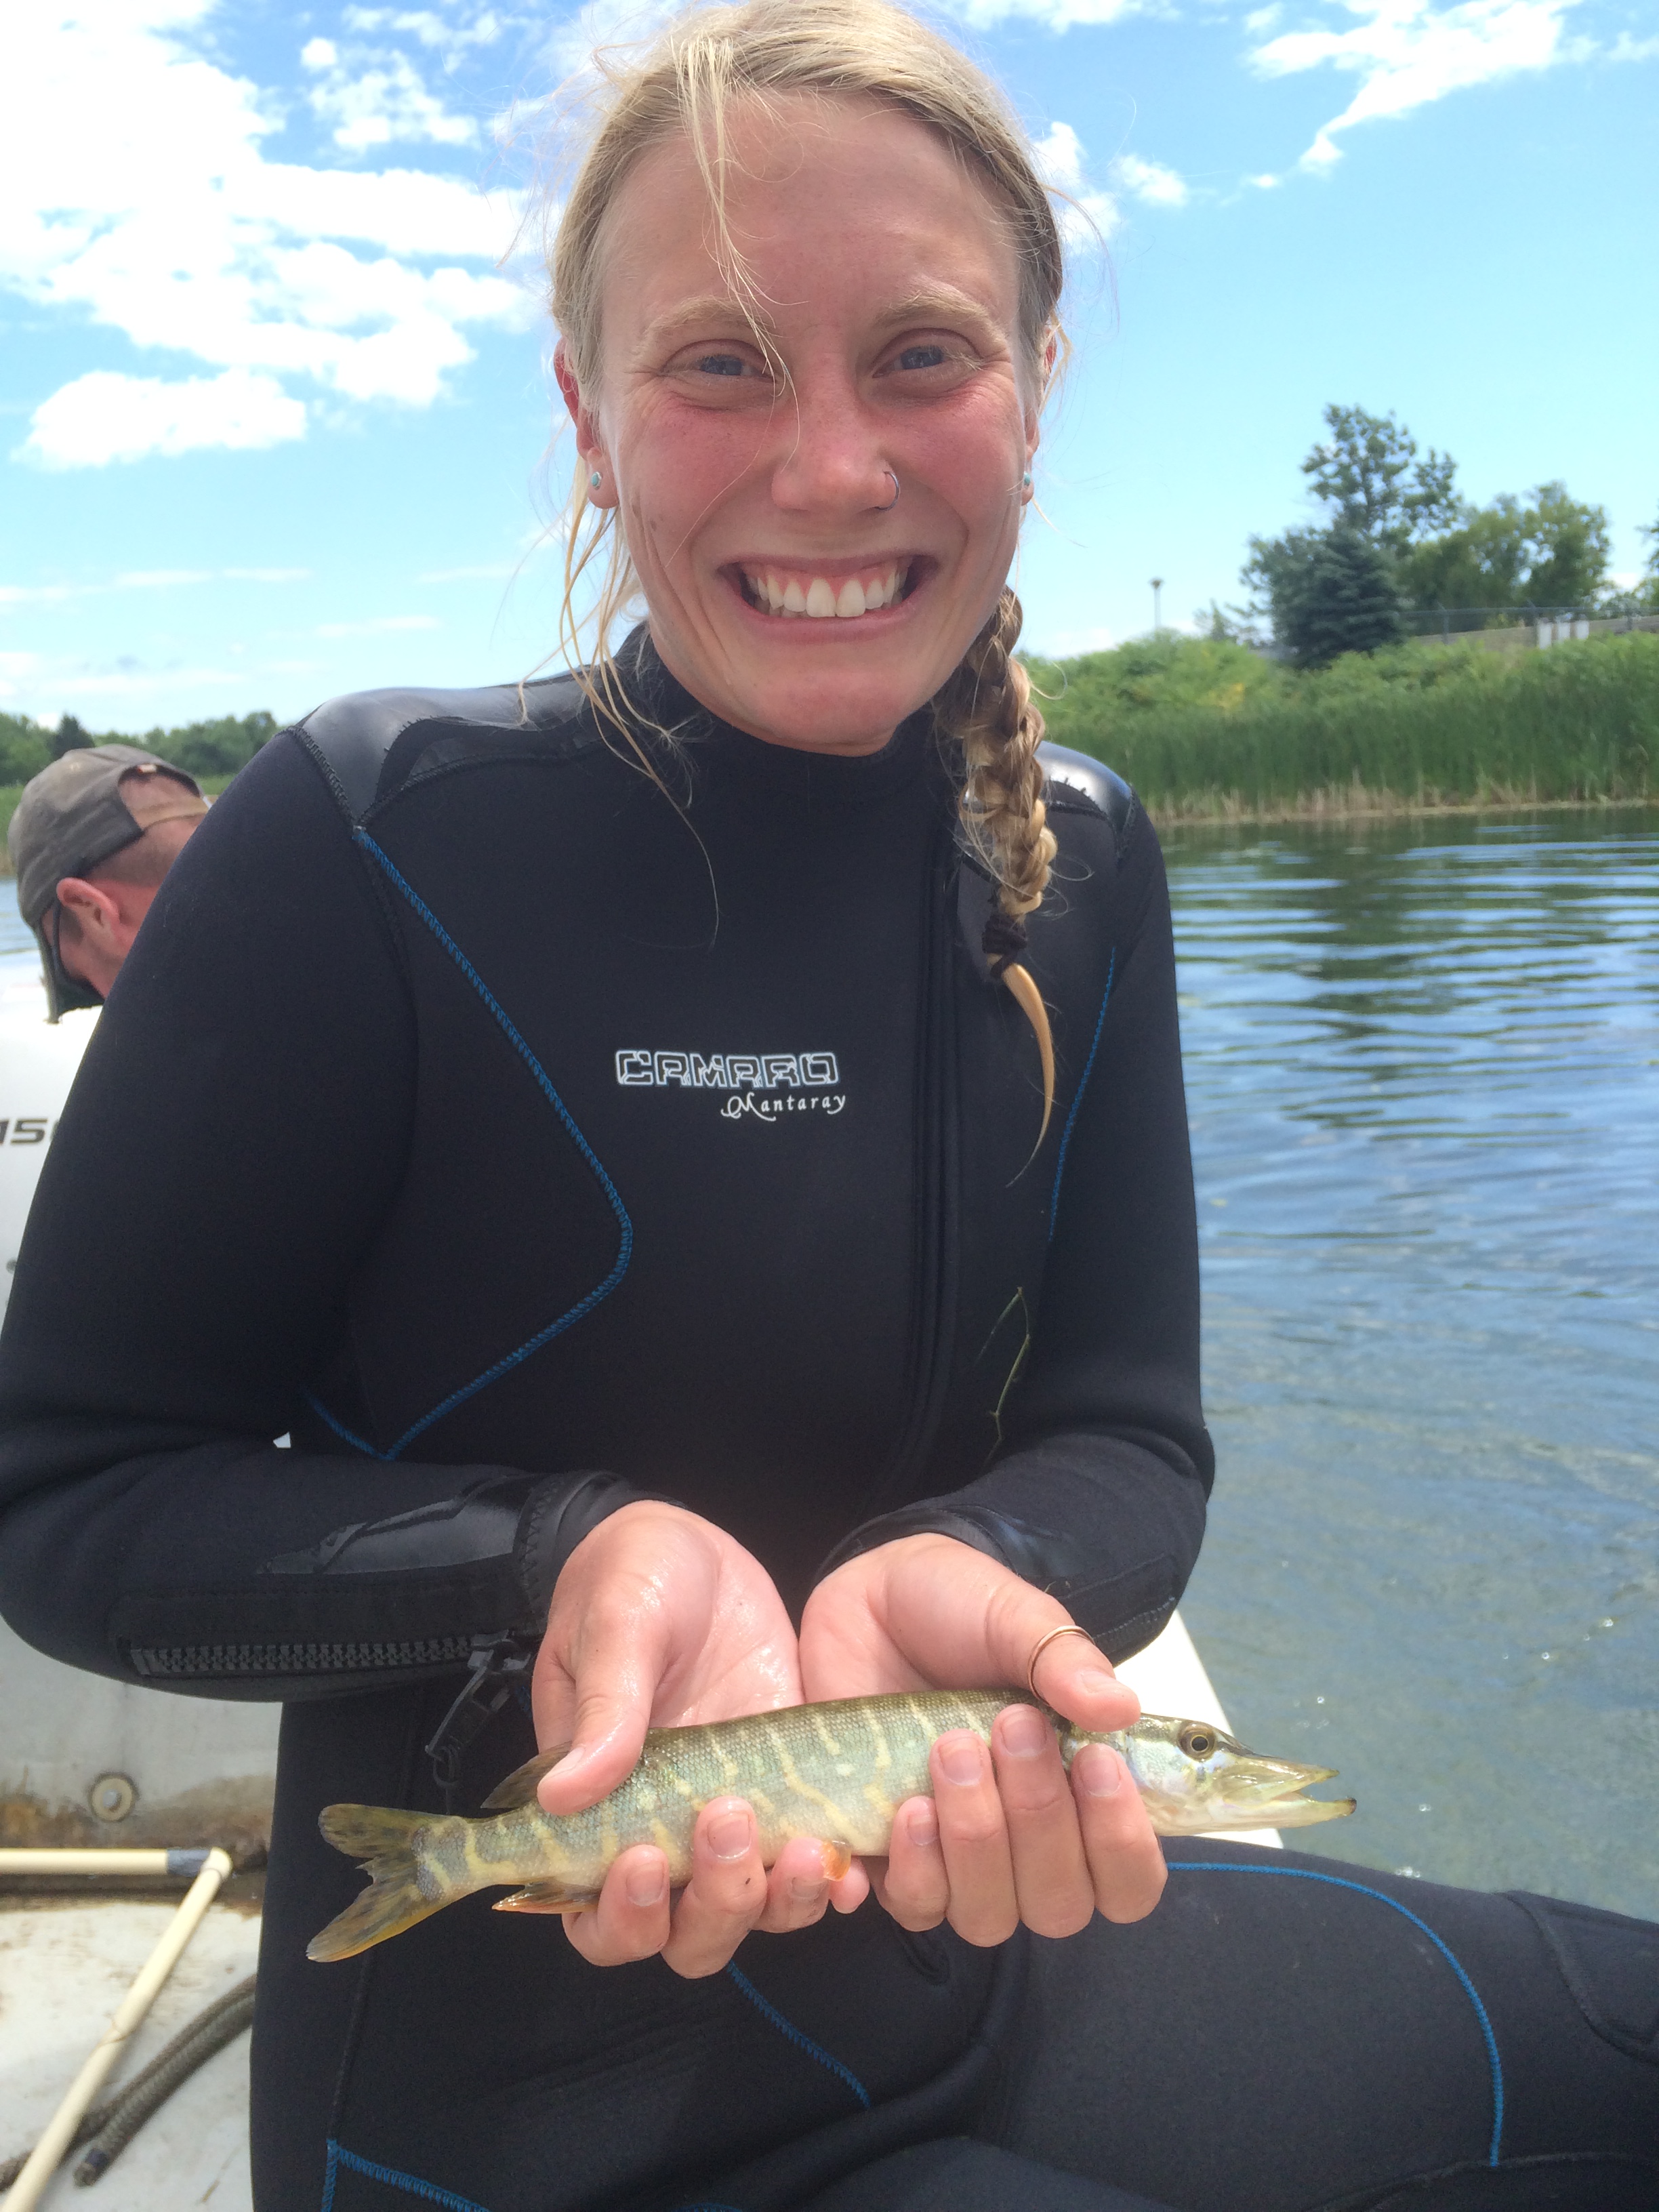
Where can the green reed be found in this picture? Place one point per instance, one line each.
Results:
(1205, 728)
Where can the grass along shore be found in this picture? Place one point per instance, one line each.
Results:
(1207, 731)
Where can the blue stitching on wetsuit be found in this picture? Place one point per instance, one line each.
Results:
(624, 1249)
(771, 2012)
(1070, 1119)
(339, 2156)
(1336, 1881)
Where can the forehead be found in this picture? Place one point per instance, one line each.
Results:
(831, 205)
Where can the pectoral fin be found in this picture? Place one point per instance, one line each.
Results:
(520, 1786)
(548, 1897)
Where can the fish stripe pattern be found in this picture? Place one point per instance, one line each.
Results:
(837, 1772)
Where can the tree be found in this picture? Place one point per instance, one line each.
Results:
(217, 748)
(1373, 477)
(1331, 592)
(68, 737)
(1550, 553)
(24, 749)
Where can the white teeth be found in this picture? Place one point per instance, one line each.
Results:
(821, 598)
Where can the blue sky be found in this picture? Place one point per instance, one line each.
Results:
(275, 424)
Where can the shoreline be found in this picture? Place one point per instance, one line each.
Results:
(1342, 803)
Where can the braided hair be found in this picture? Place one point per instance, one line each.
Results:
(986, 709)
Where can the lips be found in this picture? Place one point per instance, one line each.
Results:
(784, 592)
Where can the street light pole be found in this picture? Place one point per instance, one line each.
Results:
(1157, 622)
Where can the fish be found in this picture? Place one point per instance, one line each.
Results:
(837, 1771)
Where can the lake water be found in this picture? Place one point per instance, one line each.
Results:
(1423, 1071)
(1423, 1066)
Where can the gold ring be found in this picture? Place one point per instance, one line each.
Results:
(1066, 1628)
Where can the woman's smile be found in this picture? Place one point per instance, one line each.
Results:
(818, 449)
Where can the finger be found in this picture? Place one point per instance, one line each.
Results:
(849, 1892)
(1074, 1677)
(622, 1653)
(1053, 1881)
(1125, 1863)
(797, 1886)
(631, 1919)
(973, 1840)
(914, 1885)
(727, 1893)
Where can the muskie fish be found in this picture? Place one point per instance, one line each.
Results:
(837, 1771)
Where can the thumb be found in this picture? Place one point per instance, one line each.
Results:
(1039, 1648)
(610, 1685)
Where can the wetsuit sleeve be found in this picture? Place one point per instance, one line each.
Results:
(231, 1145)
(1099, 1493)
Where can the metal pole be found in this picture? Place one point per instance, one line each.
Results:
(1157, 622)
(180, 1864)
(47, 2156)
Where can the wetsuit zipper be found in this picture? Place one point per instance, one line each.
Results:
(176, 1662)
(936, 1247)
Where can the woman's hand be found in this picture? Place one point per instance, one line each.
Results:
(660, 1620)
(1005, 1837)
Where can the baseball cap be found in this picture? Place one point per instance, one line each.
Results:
(70, 819)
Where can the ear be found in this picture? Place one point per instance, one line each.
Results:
(1034, 412)
(90, 903)
(590, 446)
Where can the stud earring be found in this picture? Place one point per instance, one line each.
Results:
(596, 480)
(1025, 481)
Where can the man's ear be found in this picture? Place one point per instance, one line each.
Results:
(90, 903)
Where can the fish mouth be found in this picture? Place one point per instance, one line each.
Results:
(1270, 1796)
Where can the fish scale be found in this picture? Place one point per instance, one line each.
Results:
(837, 1772)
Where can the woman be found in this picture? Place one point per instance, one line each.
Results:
(688, 1148)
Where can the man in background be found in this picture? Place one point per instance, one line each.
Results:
(91, 840)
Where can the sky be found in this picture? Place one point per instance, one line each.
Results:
(275, 415)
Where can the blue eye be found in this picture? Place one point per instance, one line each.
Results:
(720, 364)
(921, 356)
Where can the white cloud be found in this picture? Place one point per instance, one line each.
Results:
(145, 580)
(1053, 14)
(386, 101)
(377, 623)
(41, 595)
(1149, 181)
(449, 38)
(1407, 53)
(1086, 218)
(158, 215)
(106, 415)
(1627, 48)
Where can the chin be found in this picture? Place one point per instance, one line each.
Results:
(826, 717)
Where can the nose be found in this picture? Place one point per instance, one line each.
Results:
(834, 464)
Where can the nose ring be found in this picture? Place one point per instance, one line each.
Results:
(892, 503)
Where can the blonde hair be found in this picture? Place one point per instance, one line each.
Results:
(683, 85)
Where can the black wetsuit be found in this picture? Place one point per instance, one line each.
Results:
(522, 1143)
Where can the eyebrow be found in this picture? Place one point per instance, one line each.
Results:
(928, 303)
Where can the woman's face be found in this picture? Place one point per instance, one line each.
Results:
(786, 589)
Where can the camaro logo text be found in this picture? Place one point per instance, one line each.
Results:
(728, 1071)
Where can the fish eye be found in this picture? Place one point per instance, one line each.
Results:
(1198, 1742)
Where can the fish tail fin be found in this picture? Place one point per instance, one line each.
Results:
(395, 1900)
